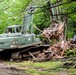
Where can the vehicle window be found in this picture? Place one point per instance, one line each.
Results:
(11, 30)
(18, 29)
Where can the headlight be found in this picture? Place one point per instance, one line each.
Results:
(14, 42)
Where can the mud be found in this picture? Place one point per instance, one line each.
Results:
(10, 70)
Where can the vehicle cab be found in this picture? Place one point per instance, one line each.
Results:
(9, 39)
(13, 29)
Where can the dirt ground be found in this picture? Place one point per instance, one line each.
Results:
(21, 68)
(10, 70)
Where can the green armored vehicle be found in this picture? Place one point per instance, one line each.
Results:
(17, 42)
(15, 39)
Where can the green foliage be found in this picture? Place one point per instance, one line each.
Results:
(42, 18)
(71, 8)
(12, 12)
(70, 53)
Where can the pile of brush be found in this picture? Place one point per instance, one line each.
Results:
(56, 51)
(54, 31)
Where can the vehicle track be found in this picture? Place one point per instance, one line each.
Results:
(27, 53)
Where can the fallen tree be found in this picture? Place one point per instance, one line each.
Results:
(54, 31)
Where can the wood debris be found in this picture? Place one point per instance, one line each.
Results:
(54, 31)
(56, 51)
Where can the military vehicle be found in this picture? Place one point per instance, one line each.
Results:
(15, 39)
(19, 41)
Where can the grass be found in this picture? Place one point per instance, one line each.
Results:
(42, 68)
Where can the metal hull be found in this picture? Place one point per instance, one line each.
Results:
(19, 41)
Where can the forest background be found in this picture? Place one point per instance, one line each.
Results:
(12, 13)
